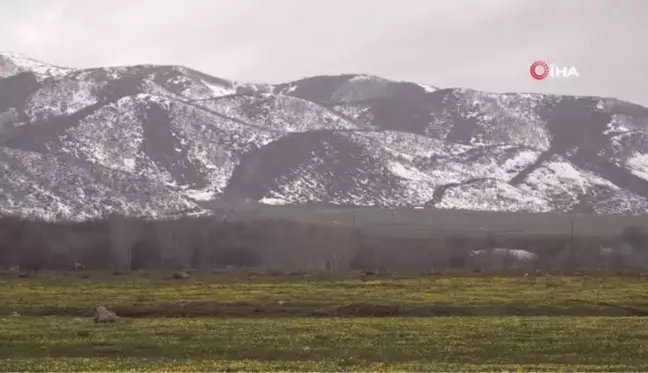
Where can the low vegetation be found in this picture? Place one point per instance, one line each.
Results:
(58, 344)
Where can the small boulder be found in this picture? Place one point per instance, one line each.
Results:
(181, 275)
(104, 315)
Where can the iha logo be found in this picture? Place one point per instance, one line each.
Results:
(541, 70)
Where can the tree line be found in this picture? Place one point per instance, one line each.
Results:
(118, 243)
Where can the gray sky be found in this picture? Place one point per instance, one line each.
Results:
(481, 44)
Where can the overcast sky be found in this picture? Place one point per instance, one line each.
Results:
(482, 44)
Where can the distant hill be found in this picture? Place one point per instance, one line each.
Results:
(155, 141)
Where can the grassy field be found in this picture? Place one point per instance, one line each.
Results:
(157, 294)
(261, 322)
(327, 344)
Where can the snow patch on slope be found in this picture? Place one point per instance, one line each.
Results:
(419, 186)
(218, 90)
(491, 195)
(215, 144)
(361, 87)
(100, 136)
(112, 137)
(427, 88)
(12, 64)
(154, 89)
(410, 145)
(9, 119)
(43, 186)
(501, 163)
(638, 164)
(60, 97)
(272, 201)
(279, 112)
(424, 164)
(507, 118)
(560, 182)
(361, 114)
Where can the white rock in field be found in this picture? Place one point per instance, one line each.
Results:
(514, 253)
(623, 250)
(104, 315)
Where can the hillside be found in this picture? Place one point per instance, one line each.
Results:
(154, 141)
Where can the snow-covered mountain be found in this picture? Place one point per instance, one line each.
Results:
(158, 140)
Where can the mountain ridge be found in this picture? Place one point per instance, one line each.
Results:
(345, 139)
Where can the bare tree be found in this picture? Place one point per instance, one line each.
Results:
(121, 239)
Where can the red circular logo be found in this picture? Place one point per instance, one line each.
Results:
(539, 65)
